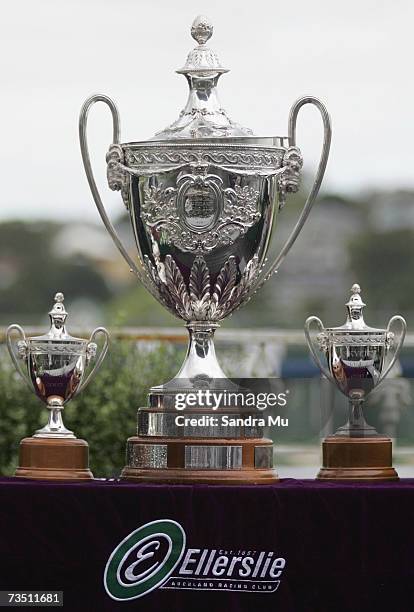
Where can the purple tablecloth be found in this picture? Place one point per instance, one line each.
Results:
(346, 546)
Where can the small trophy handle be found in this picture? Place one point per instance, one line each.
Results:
(83, 121)
(403, 323)
(104, 350)
(311, 345)
(12, 353)
(327, 134)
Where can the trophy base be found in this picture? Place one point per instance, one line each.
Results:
(54, 459)
(210, 477)
(347, 458)
(199, 461)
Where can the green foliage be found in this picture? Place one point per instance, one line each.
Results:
(136, 306)
(31, 270)
(104, 414)
(383, 263)
(19, 414)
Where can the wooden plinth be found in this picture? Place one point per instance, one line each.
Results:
(54, 459)
(357, 459)
(175, 471)
(210, 477)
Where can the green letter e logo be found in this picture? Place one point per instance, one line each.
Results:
(129, 576)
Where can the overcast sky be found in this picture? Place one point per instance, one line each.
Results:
(356, 56)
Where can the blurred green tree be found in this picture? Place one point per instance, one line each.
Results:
(30, 271)
(383, 263)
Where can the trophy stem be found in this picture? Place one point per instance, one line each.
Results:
(55, 427)
(201, 360)
(356, 414)
(356, 427)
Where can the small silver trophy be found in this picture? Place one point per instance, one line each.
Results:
(203, 196)
(356, 363)
(55, 368)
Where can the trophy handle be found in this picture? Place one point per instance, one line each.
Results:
(312, 349)
(104, 350)
(12, 353)
(83, 121)
(403, 323)
(327, 134)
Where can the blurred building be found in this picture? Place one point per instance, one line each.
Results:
(92, 242)
(316, 272)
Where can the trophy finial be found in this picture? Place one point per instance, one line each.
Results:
(202, 60)
(355, 300)
(355, 306)
(201, 29)
(58, 314)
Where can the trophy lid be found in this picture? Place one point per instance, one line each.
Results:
(203, 115)
(355, 318)
(58, 316)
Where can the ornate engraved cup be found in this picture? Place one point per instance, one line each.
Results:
(203, 196)
(356, 362)
(55, 368)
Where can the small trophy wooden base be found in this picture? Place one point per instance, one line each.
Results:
(166, 460)
(348, 458)
(54, 459)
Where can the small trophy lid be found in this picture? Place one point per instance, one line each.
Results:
(58, 316)
(203, 116)
(355, 318)
(202, 60)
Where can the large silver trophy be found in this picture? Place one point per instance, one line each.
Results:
(203, 196)
(355, 361)
(55, 367)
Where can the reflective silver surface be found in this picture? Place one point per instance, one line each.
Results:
(147, 456)
(203, 197)
(163, 424)
(263, 457)
(54, 365)
(203, 116)
(211, 457)
(355, 358)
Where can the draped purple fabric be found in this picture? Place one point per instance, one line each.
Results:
(348, 547)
